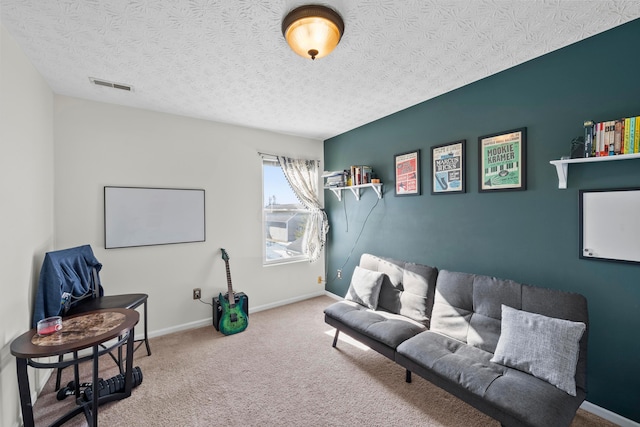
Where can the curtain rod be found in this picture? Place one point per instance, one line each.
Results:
(276, 156)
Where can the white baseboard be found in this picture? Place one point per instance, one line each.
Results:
(286, 302)
(332, 295)
(209, 322)
(43, 377)
(608, 415)
(177, 328)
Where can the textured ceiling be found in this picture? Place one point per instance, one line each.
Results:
(227, 60)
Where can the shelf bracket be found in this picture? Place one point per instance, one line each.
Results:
(337, 192)
(561, 169)
(355, 191)
(378, 190)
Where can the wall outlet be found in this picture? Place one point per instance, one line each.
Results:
(339, 274)
(197, 293)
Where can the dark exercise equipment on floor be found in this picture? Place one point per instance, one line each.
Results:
(112, 385)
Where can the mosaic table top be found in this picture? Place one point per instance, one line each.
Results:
(78, 332)
(81, 327)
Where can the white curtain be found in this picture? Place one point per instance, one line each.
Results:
(303, 177)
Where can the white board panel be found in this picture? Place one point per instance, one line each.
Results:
(609, 227)
(136, 216)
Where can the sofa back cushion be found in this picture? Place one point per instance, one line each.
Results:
(407, 288)
(365, 287)
(468, 307)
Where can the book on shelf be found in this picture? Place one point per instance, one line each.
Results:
(627, 135)
(636, 137)
(355, 175)
(588, 138)
(617, 137)
(612, 137)
(632, 132)
(604, 150)
(601, 138)
(366, 172)
(622, 128)
(594, 148)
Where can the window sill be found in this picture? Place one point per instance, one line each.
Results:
(288, 261)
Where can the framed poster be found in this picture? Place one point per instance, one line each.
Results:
(502, 161)
(407, 167)
(448, 168)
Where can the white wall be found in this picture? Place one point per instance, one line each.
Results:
(26, 207)
(100, 144)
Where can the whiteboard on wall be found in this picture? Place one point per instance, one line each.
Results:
(610, 224)
(138, 216)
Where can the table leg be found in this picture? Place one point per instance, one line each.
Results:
(120, 355)
(128, 375)
(25, 392)
(76, 375)
(94, 385)
(146, 336)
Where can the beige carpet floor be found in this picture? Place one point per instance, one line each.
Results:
(281, 371)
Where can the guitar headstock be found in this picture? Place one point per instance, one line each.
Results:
(225, 256)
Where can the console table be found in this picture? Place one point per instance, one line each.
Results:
(83, 331)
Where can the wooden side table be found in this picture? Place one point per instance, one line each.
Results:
(79, 332)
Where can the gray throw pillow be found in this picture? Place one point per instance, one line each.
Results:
(545, 347)
(365, 287)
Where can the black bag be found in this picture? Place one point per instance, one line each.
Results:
(240, 297)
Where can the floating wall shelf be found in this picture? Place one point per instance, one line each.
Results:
(355, 189)
(562, 166)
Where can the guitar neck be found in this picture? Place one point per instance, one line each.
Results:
(232, 299)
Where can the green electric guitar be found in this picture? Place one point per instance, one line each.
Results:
(233, 318)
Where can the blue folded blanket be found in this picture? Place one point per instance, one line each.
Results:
(65, 277)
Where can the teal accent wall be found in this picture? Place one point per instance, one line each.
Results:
(529, 236)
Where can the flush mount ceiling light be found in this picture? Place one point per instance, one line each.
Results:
(312, 31)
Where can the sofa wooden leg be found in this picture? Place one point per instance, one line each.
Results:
(408, 376)
(335, 338)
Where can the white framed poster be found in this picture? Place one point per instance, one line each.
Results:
(502, 159)
(407, 167)
(448, 168)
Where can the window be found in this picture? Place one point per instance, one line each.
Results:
(284, 218)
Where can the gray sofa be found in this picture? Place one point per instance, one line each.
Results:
(513, 351)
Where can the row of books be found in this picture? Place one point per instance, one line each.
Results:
(355, 175)
(359, 175)
(612, 138)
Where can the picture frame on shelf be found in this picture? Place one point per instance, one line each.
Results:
(407, 173)
(502, 161)
(448, 164)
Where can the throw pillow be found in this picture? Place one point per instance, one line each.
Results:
(545, 347)
(365, 287)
